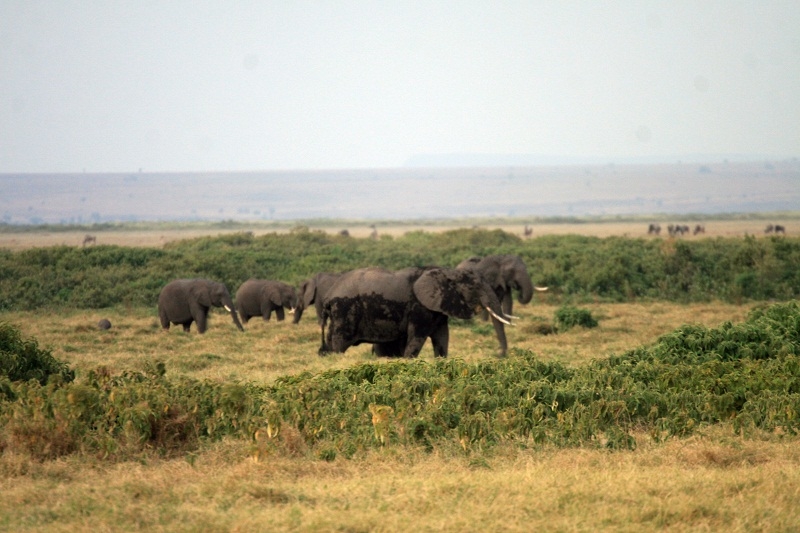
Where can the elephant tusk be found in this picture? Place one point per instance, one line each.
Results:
(511, 317)
(291, 310)
(501, 319)
(540, 289)
(228, 309)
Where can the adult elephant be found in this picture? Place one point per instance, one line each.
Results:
(505, 274)
(313, 291)
(260, 297)
(184, 301)
(397, 311)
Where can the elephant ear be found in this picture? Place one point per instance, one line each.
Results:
(309, 290)
(201, 293)
(444, 291)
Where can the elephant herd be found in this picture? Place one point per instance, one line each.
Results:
(394, 310)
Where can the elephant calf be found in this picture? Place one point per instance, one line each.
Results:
(184, 301)
(260, 297)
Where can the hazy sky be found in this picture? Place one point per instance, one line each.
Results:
(118, 86)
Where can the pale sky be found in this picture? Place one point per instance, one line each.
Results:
(118, 86)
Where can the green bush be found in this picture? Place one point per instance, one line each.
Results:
(568, 316)
(575, 267)
(22, 359)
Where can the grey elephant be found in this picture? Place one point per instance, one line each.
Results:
(260, 297)
(184, 301)
(314, 291)
(397, 311)
(505, 274)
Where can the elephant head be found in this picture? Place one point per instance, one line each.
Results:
(213, 293)
(505, 273)
(456, 293)
(313, 292)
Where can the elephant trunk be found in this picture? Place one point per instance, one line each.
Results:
(491, 303)
(229, 308)
(298, 312)
(525, 287)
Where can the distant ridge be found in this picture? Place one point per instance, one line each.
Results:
(540, 160)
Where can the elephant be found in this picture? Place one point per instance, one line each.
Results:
(314, 291)
(184, 301)
(504, 273)
(397, 311)
(260, 297)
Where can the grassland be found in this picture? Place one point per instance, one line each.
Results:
(716, 479)
(713, 480)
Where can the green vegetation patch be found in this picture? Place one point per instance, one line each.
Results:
(747, 374)
(569, 316)
(22, 360)
(574, 267)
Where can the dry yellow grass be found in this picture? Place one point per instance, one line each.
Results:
(716, 482)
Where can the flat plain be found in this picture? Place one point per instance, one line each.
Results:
(131, 236)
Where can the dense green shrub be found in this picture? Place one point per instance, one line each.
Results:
(575, 267)
(22, 360)
(569, 316)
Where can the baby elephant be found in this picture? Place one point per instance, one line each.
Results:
(260, 297)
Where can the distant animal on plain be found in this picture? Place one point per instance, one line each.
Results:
(699, 228)
(775, 228)
(528, 231)
(654, 229)
(344, 233)
(104, 324)
(89, 239)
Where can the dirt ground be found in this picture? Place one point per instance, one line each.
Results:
(158, 237)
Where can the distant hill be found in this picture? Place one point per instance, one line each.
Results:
(404, 193)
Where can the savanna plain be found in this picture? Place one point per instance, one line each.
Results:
(713, 478)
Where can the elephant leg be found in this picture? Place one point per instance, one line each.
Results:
(266, 312)
(202, 322)
(162, 316)
(279, 316)
(414, 346)
(187, 326)
(415, 342)
(323, 348)
(440, 340)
